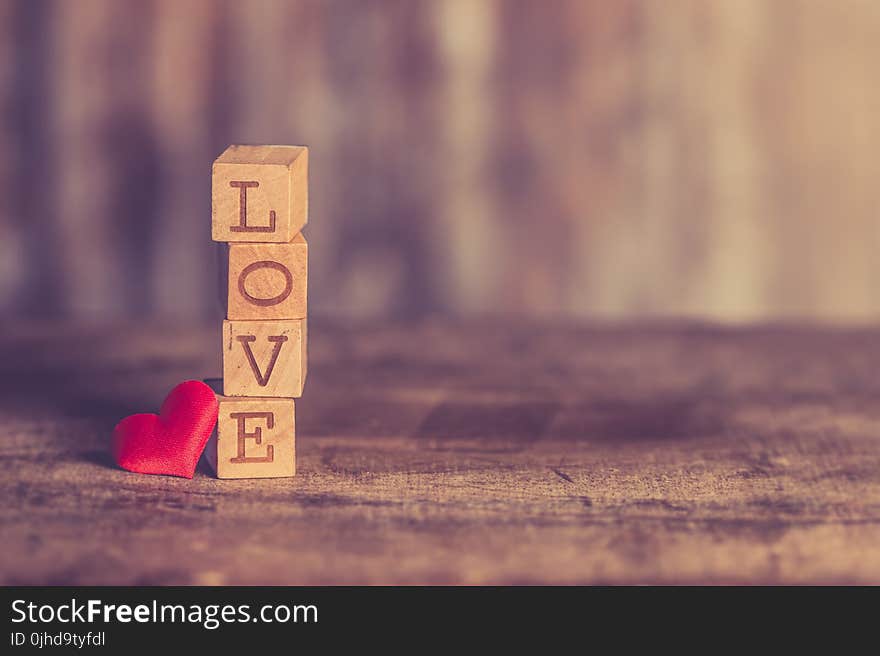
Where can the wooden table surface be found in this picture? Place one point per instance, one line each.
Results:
(439, 452)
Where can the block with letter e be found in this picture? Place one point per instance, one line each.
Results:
(264, 358)
(259, 193)
(254, 438)
(268, 281)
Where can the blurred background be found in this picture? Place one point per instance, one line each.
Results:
(552, 158)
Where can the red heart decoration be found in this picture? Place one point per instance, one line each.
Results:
(172, 441)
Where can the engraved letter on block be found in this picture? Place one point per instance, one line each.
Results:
(264, 358)
(259, 193)
(255, 438)
(268, 281)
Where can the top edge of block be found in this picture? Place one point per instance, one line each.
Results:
(216, 384)
(257, 399)
(298, 238)
(247, 154)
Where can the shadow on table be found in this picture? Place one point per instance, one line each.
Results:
(594, 421)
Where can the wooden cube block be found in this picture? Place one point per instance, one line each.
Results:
(254, 438)
(264, 358)
(259, 193)
(268, 281)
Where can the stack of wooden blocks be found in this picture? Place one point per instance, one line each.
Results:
(259, 201)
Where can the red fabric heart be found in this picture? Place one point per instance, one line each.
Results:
(172, 441)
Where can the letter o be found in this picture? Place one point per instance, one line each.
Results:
(265, 264)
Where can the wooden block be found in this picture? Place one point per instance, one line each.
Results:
(264, 358)
(268, 281)
(259, 193)
(254, 438)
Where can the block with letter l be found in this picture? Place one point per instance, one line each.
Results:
(254, 438)
(264, 358)
(259, 193)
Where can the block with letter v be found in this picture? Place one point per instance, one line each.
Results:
(264, 358)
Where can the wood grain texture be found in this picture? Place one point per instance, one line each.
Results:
(436, 452)
(268, 281)
(264, 358)
(259, 193)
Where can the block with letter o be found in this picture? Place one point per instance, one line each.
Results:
(268, 281)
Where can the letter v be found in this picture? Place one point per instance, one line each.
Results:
(262, 380)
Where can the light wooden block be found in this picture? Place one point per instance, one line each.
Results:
(264, 358)
(259, 193)
(254, 438)
(268, 281)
